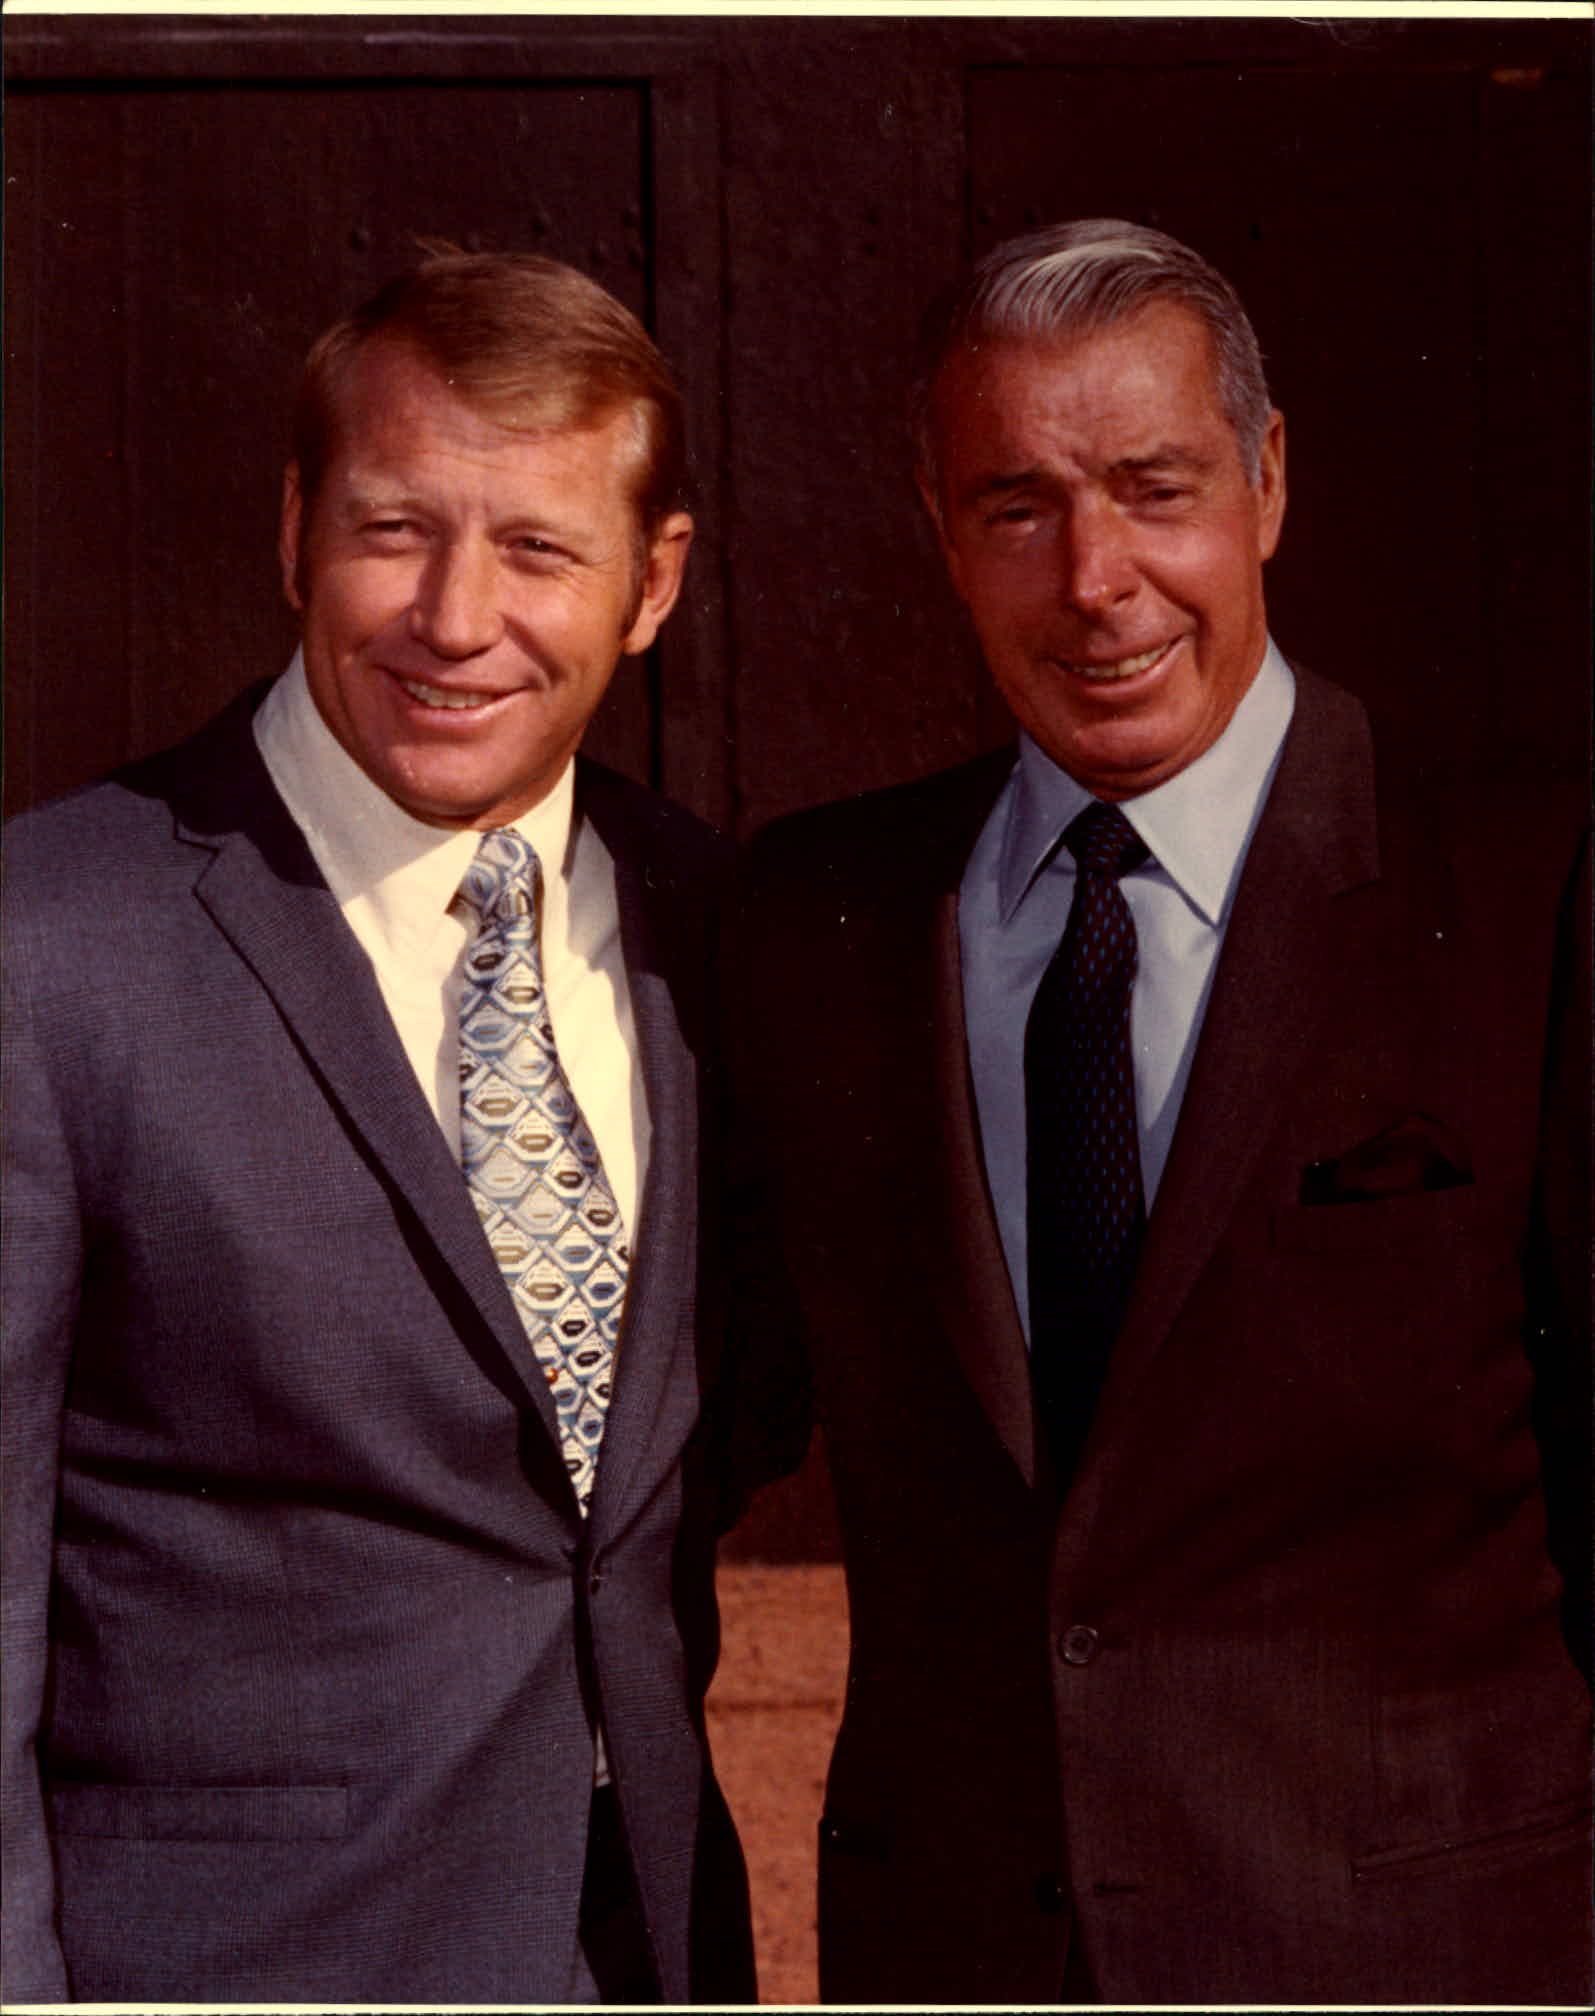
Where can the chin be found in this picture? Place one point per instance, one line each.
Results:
(1121, 769)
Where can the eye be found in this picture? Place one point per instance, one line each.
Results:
(1012, 514)
(534, 554)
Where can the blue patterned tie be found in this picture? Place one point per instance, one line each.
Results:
(1085, 1210)
(530, 1159)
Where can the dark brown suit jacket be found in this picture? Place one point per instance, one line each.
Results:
(1275, 1701)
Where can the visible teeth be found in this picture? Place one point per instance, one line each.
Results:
(1122, 668)
(435, 696)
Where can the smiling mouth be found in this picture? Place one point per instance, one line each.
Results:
(445, 697)
(1107, 672)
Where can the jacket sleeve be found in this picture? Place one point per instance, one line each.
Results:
(761, 1413)
(41, 1249)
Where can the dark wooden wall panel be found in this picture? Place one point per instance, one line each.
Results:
(216, 227)
(1405, 208)
(1358, 265)
(844, 218)
(69, 702)
(1533, 333)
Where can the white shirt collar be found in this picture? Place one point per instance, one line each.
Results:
(1197, 823)
(401, 872)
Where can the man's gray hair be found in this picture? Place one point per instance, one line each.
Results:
(1074, 279)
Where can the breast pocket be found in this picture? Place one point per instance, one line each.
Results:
(1387, 1228)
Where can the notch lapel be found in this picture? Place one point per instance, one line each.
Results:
(982, 1318)
(264, 892)
(653, 1409)
(1315, 842)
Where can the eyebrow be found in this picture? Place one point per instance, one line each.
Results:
(356, 504)
(1163, 457)
(1166, 456)
(1003, 486)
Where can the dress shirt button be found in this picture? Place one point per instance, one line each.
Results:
(1049, 1895)
(1079, 1644)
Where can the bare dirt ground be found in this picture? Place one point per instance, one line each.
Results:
(773, 1712)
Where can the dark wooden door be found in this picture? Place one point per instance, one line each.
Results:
(175, 240)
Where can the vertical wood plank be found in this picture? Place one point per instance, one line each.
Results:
(69, 700)
(693, 749)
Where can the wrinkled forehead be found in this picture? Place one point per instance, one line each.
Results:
(1154, 341)
(1153, 371)
(388, 387)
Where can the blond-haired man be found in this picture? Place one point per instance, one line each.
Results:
(358, 1601)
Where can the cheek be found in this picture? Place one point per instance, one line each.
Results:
(582, 630)
(356, 606)
(1220, 577)
(1007, 604)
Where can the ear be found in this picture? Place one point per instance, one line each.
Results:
(661, 581)
(1271, 486)
(290, 531)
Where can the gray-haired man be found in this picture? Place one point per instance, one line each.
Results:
(1181, 1206)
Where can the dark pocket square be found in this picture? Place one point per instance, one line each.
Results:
(1418, 1153)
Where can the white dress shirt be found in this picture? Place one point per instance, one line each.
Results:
(1014, 902)
(395, 877)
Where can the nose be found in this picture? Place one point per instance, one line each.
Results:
(455, 612)
(1097, 564)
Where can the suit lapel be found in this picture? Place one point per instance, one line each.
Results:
(265, 893)
(985, 1319)
(1315, 842)
(652, 1409)
(982, 1319)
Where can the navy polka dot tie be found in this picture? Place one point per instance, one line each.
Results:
(1085, 1210)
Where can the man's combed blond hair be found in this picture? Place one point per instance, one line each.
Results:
(527, 340)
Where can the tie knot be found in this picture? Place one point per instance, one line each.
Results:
(1104, 842)
(501, 882)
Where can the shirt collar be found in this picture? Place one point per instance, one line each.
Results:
(1196, 824)
(402, 872)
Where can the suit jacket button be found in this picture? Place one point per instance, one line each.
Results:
(1079, 1644)
(1049, 1895)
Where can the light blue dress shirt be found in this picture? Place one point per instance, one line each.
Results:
(1014, 901)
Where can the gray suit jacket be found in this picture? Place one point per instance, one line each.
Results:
(305, 1637)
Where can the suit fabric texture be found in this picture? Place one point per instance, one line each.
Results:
(1275, 1698)
(305, 1635)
